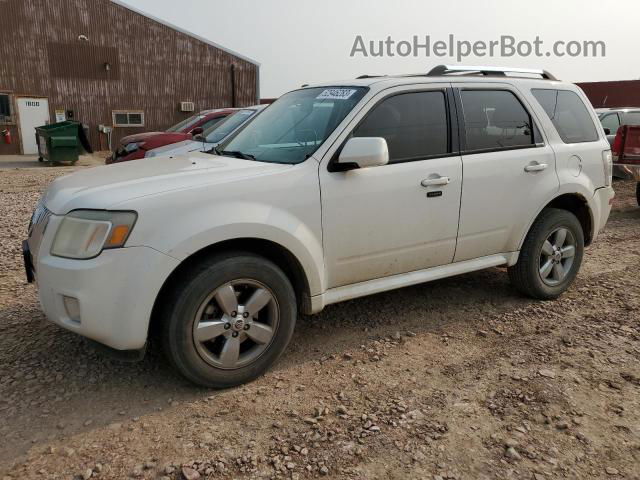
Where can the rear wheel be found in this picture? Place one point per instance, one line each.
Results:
(638, 193)
(228, 320)
(550, 256)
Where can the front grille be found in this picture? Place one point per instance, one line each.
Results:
(39, 218)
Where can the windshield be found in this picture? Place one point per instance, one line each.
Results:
(219, 131)
(296, 124)
(185, 124)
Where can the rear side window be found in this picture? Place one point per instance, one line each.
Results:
(495, 120)
(415, 125)
(632, 118)
(568, 114)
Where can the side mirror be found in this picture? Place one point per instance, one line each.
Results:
(363, 152)
(197, 131)
(607, 131)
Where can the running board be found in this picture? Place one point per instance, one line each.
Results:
(370, 287)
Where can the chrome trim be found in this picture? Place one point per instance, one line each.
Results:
(446, 69)
(37, 226)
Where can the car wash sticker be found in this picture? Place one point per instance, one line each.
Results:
(336, 94)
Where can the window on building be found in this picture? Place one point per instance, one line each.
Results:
(124, 118)
(5, 108)
(610, 121)
(414, 125)
(495, 120)
(568, 114)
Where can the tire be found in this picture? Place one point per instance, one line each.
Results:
(638, 193)
(200, 298)
(528, 274)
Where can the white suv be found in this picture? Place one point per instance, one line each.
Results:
(334, 192)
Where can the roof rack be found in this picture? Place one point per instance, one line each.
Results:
(487, 71)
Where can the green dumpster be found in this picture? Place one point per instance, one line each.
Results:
(59, 142)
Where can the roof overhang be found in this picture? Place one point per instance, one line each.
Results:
(185, 32)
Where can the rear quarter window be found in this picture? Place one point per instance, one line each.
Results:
(569, 115)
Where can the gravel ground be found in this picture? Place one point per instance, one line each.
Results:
(457, 379)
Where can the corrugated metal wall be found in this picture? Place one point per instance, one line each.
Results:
(152, 67)
(613, 94)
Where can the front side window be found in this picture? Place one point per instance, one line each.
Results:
(185, 124)
(415, 125)
(219, 131)
(495, 120)
(610, 121)
(292, 128)
(568, 114)
(211, 123)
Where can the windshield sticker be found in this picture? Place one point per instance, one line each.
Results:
(336, 94)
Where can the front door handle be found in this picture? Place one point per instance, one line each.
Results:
(437, 181)
(535, 167)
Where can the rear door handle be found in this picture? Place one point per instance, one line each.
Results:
(437, 181)
(535, 167)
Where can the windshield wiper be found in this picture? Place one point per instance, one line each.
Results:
(236, 154)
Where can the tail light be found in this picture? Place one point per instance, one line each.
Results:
(626, 146)
(618, 143)
(607, 162)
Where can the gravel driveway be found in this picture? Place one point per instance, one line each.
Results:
(457, 379)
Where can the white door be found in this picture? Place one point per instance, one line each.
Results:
(399, 217)
(33, 112)
(508, 170)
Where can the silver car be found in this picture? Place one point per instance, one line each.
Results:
(210, 138)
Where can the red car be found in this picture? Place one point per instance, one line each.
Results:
(135, 146)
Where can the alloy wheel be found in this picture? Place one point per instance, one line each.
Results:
(235, 324)
(556, 256)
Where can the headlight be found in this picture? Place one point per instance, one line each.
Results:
(85, 233)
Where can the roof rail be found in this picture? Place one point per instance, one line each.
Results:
(487, 71)
(369, 76)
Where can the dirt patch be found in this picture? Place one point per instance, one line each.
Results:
(456, 379)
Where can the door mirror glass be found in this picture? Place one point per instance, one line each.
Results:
(364, 152)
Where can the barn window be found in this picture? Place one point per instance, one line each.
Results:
(126, 118)
(5, 108)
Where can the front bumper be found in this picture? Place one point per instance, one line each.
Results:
(111, 296)
(626, 172)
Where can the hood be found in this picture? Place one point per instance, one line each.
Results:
(179, 148)
(155, 139)
(105, 186)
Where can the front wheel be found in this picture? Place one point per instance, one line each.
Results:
(228, 320)
(550, 256)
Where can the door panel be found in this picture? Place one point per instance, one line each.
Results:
(33, 112)
(500, 198)
(383, 221)
(508, 170)
(379, 221)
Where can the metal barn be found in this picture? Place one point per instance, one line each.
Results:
(106, 64)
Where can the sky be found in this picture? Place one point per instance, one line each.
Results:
(298, 41)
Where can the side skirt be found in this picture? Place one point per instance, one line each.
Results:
(370, 287)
